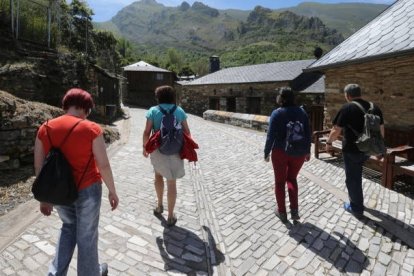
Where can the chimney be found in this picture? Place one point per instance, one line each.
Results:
(214, 64)
(318, 52)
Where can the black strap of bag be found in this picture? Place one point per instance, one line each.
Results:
(67, 135)
(64, 140)
(84, 171)
(371, 108)
(171, 111)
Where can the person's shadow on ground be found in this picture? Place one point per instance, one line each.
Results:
(335, 248)
(390, 224)
(402, 183)
(185, 252)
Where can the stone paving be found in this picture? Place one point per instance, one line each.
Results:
(226, 224)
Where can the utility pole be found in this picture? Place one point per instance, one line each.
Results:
(48, 26)
(17, 19)
(58, 21)
(86, 37)
(12, 16)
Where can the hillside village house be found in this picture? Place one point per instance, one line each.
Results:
(379, 57)
(252, 89)
(142, 79)
(107, 91)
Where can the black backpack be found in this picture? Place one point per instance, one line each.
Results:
(55, 183)
(295, 136)
(370, 141)
(172, 138)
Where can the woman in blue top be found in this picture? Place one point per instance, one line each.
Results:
(169, 166)
(288, 151)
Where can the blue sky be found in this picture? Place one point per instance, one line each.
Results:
(105, 9)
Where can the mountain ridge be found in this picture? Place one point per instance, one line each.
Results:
(239, 37)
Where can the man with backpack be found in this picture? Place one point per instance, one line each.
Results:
(362, 126)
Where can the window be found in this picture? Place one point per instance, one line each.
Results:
(214, 104)
(159, 76)
(253, 105)
(231, 104)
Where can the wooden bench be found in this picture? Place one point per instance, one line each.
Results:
(399, 163)
(400, 158)
(395, 162)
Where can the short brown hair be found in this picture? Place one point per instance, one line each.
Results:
(165, 94)
(353, 90)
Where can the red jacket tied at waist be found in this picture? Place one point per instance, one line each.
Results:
(187, 152)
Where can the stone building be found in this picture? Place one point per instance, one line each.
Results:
(380, 58)
(252, 89)
(142, 79)
(45, 76)
(107, 90)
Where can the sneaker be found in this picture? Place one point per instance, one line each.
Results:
(104, 269)
(348, 208)
(281, 216)
(158, 210)
(294, 214)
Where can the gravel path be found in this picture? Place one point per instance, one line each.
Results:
(15, 188)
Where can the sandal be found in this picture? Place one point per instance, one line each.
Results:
(171, 221)
(158, 210)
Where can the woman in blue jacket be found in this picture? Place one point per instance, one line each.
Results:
(289, 141)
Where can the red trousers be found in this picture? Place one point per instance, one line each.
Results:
(286, 169)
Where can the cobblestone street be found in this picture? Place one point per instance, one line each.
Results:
(226, 223)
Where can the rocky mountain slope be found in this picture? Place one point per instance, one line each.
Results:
(239, 37)
(346, 18)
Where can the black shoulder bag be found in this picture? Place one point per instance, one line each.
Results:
(55, 183)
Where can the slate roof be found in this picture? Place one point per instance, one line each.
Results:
(309, 82)
(268, 72)
(389, 34)
(143, 66)
(316, 87)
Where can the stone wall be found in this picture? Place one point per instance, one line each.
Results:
(195, 98)
(19, 121)
(44, 79)
(257, 122)
(388, 82)
(46, 76)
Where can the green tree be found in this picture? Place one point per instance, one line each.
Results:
(200, 66)
(124, 47)
(186, 71)
(174, 60)
(79, 27)
(107, 55)
(126, 51)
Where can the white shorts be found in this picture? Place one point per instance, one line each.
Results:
(169, 166)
